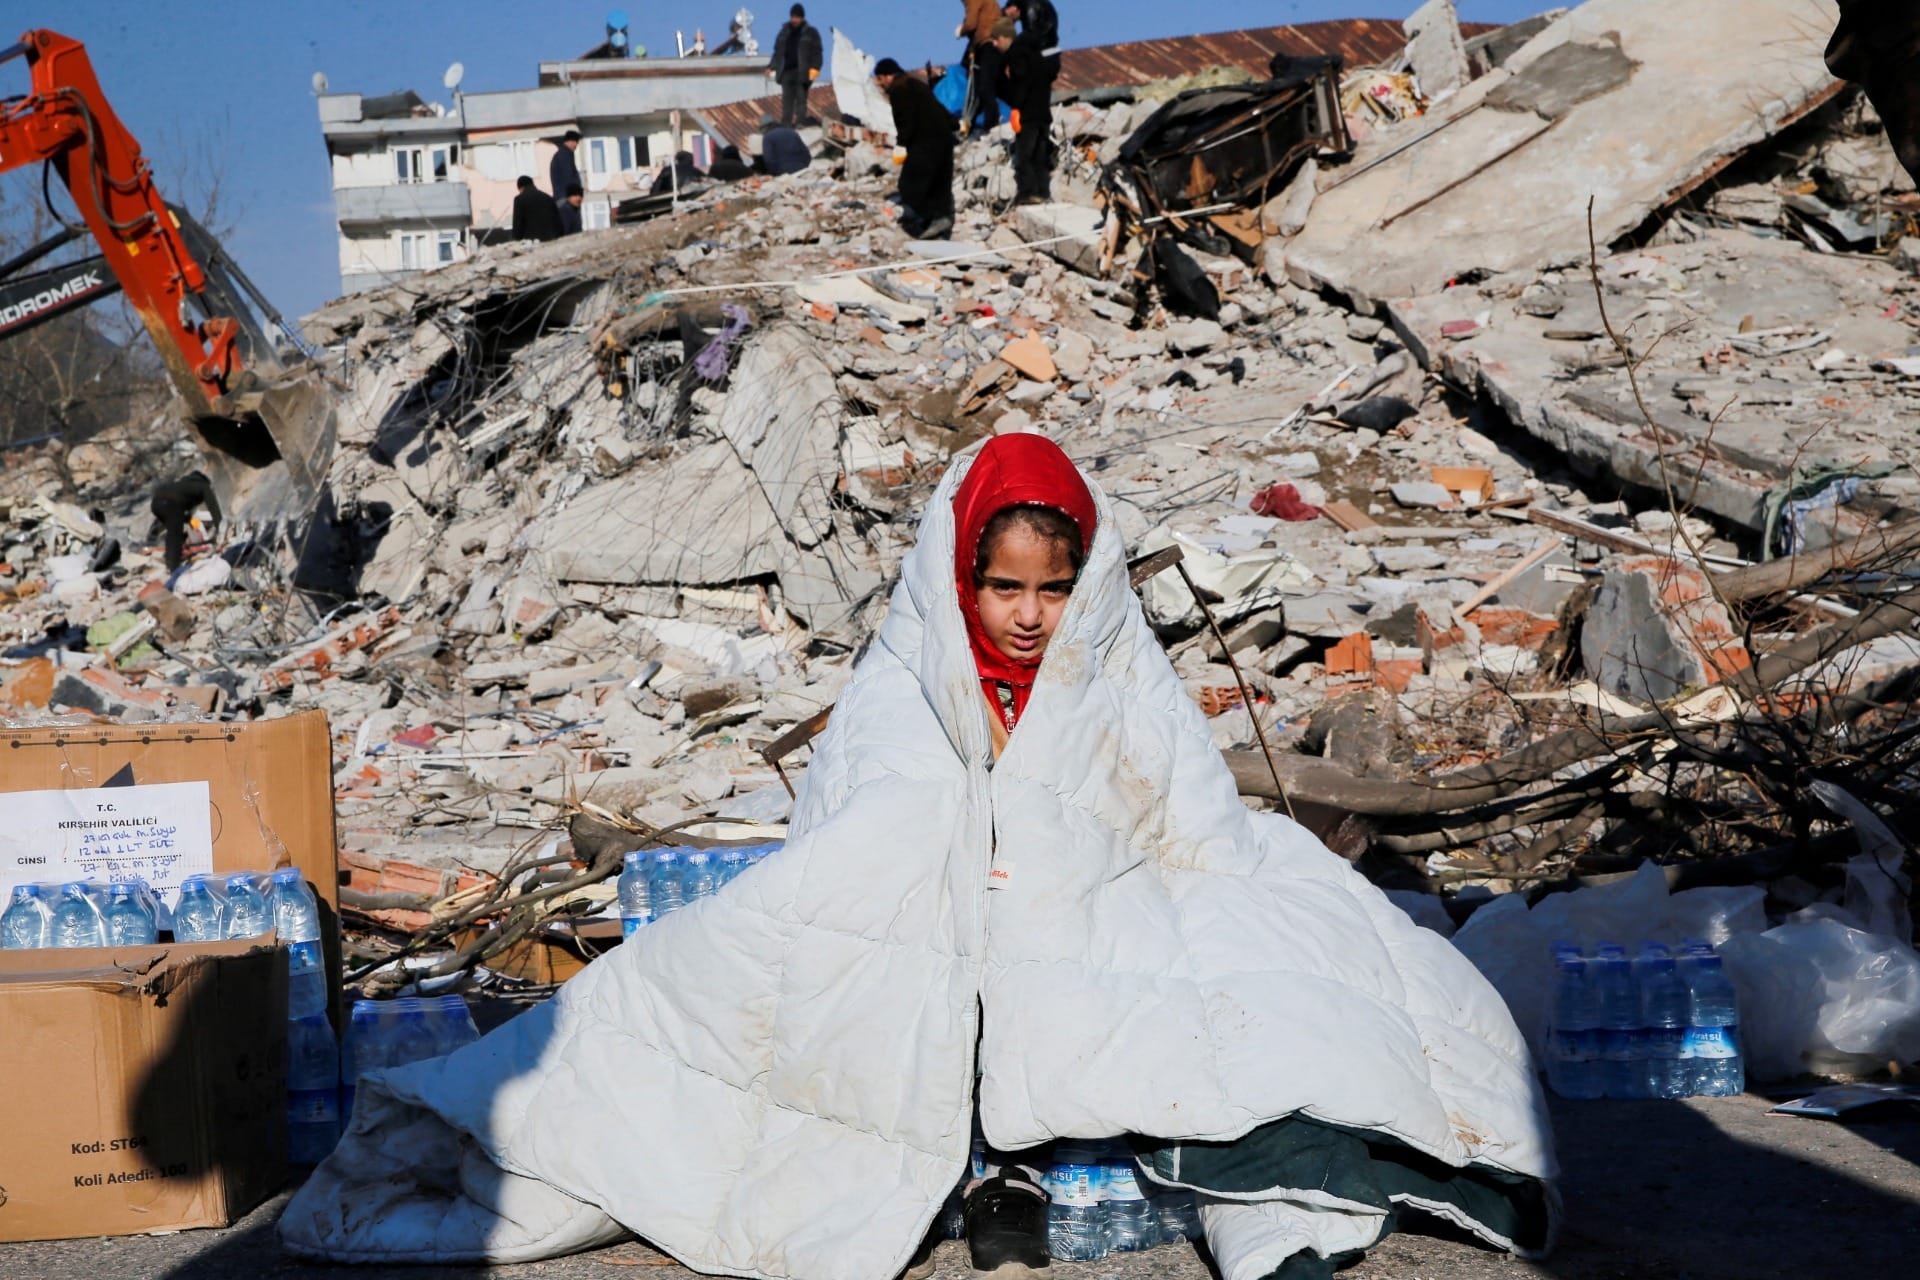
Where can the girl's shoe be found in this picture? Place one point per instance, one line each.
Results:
(1007, 1227)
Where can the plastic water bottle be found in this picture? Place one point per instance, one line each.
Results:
(28, 922)
(732, 863)
(126, 918)
(1077, 1227)
(1663, 1021)
(1713, 1030)
(1176, 1215)
(1130, 1217)
(76, 920)
(636, 900)
(1576, 1042)
(296, 918)
(198, 916)
(1622, 1067)
(313, 1089)
(412, 1038)
(701, 876)
(364, 1051)
(249, 912)
(664, 889)
(458, 1026)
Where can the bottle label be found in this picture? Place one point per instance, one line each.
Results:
(1575, 1046)
(1122, 1184)
(1664, 1042)
(312, 1106)
(1074, 1185)
(633, 923)
(304, 957)
(1712, 1042)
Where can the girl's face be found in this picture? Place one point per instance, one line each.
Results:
(1024, 591)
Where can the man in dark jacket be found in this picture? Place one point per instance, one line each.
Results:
(563, 172)
(570, 210)
(677, 176)
(173, 505)
(796, 64)
(784, 151)
(729, 167)
(983, 64)
(535, 216)
(1038, 19)
(1026, 87)
(923, 127)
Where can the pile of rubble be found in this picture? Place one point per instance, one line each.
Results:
(1469, 509)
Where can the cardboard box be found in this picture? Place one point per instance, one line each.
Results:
(152, 1080)
(148, 1087)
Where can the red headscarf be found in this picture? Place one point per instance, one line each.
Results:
(1011, 471)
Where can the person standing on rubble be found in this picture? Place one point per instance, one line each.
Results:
(983, 65)
(563, 171)
(535, 215)
(795, 64)
(173, 505)
(1027, 88)
(1038, 19)
(925, 132)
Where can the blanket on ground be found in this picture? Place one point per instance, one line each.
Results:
(779, 1081)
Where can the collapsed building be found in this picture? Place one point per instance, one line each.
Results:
(1527, 409)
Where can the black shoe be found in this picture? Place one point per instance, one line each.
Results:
(1007, 1228)
(920, 1266)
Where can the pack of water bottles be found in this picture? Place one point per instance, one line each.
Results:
(1652, 1025)
(657, 882)
(1098, 1202)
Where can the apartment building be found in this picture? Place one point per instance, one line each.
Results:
(417, 184)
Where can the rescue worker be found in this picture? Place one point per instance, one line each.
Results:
(535, 216)
(983, 65)
(1026, 87)
(795, 64)
(925, 130)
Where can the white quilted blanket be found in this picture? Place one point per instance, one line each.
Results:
(778, 1081)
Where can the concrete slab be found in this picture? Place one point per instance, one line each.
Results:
(1492, 189)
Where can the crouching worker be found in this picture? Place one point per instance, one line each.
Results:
(927, 132)
(1019, 887)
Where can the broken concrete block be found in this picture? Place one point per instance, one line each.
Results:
(1286, 213)
(1273, 262)
(1030, 356)
(1407, 559)
(1422, 493)
(1906, 255)
(1080, 223)
(1028, 394)
(1434, 49)
(529, 606)
(1073, 354)
(1654, 630)
(704, 697)
(1190, 336)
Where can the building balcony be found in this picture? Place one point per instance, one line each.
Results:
(437, 204)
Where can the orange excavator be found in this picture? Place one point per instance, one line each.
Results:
(263, 417)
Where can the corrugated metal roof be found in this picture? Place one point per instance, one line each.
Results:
(1358, 41)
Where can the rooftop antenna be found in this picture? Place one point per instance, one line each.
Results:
(453, 76)
(319, 82)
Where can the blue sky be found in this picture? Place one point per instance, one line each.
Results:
(192, 78)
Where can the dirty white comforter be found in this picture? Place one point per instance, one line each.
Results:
(778, 1081)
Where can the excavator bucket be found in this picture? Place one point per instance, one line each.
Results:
(266, 447)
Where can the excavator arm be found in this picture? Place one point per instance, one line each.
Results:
(267, 431)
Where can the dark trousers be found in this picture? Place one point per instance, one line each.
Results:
(926, 187)
(793, 98)
(1033, 153)
(985, 85)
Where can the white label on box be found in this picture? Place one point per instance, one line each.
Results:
(160, 833)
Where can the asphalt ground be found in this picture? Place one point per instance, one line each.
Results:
(1706, 1189)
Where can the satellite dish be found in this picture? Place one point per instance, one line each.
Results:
(319, 82)
(452, 78)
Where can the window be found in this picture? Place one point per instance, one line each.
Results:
(597, 156)
(634, 154)
(442, 159)
(413, 251)
(446, 247)
(523, 157)
(595, 216)
(407, 165)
